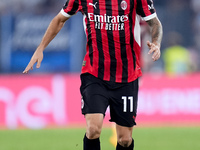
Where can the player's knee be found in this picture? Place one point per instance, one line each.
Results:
(93, 131)
(125, 141)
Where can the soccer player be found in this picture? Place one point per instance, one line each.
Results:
(111, 66)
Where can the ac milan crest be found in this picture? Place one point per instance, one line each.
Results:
(82, 103)
(124, 5)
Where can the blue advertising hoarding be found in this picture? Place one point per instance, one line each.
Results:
(21, 34)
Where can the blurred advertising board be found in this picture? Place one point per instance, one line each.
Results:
(42, 100)
(170, 100)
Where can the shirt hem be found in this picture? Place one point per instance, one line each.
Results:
(133, 79)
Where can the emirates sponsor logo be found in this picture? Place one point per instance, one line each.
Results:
(124, 5)
(108, 22)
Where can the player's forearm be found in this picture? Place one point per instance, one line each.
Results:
(54, 27)
(156, 31)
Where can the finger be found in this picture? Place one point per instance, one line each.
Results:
(38, 64)
(26, 70)
(155, 58)
(149, 44)
(29, 66)
(156, 52)
(156, 55)
(153, 49)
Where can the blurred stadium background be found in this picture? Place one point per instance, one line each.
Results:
(48, 98)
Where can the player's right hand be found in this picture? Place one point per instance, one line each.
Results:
(36, 58)
(155, 49)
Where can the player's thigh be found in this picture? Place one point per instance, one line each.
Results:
(123, 104)
(94, 95)
(94, 120)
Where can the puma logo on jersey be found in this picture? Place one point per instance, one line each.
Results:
(94, 5)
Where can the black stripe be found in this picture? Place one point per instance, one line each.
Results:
(132, 39)
(66, 4)
(99, 44)
(113, 61)
(123, 48)
(139, 8)
(74, 8)
(89, 39)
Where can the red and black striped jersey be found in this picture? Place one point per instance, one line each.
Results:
(113, 36)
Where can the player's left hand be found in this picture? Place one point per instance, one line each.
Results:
(155, 49)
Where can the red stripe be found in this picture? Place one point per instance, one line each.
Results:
(70, 6)
(128, 46)
(80, 7)
(133, 27)
(94, 42)
(116, 39)
(104, 36)
(137, 49)
(88, 68)
(145, 8)
(87, 58)
(134, 44)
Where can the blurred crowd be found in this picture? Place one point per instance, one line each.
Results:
(181, 25)
(30, 6)
(180, 47)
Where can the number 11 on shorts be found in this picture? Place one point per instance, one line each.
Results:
(127, 99)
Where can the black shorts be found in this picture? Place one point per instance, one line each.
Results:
(122, 98)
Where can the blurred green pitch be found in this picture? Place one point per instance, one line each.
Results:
(158, 138)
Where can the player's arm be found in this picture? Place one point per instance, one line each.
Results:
(54, 27)
(156, 35)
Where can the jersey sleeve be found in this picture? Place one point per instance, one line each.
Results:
(70, 8)
(145, 9)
